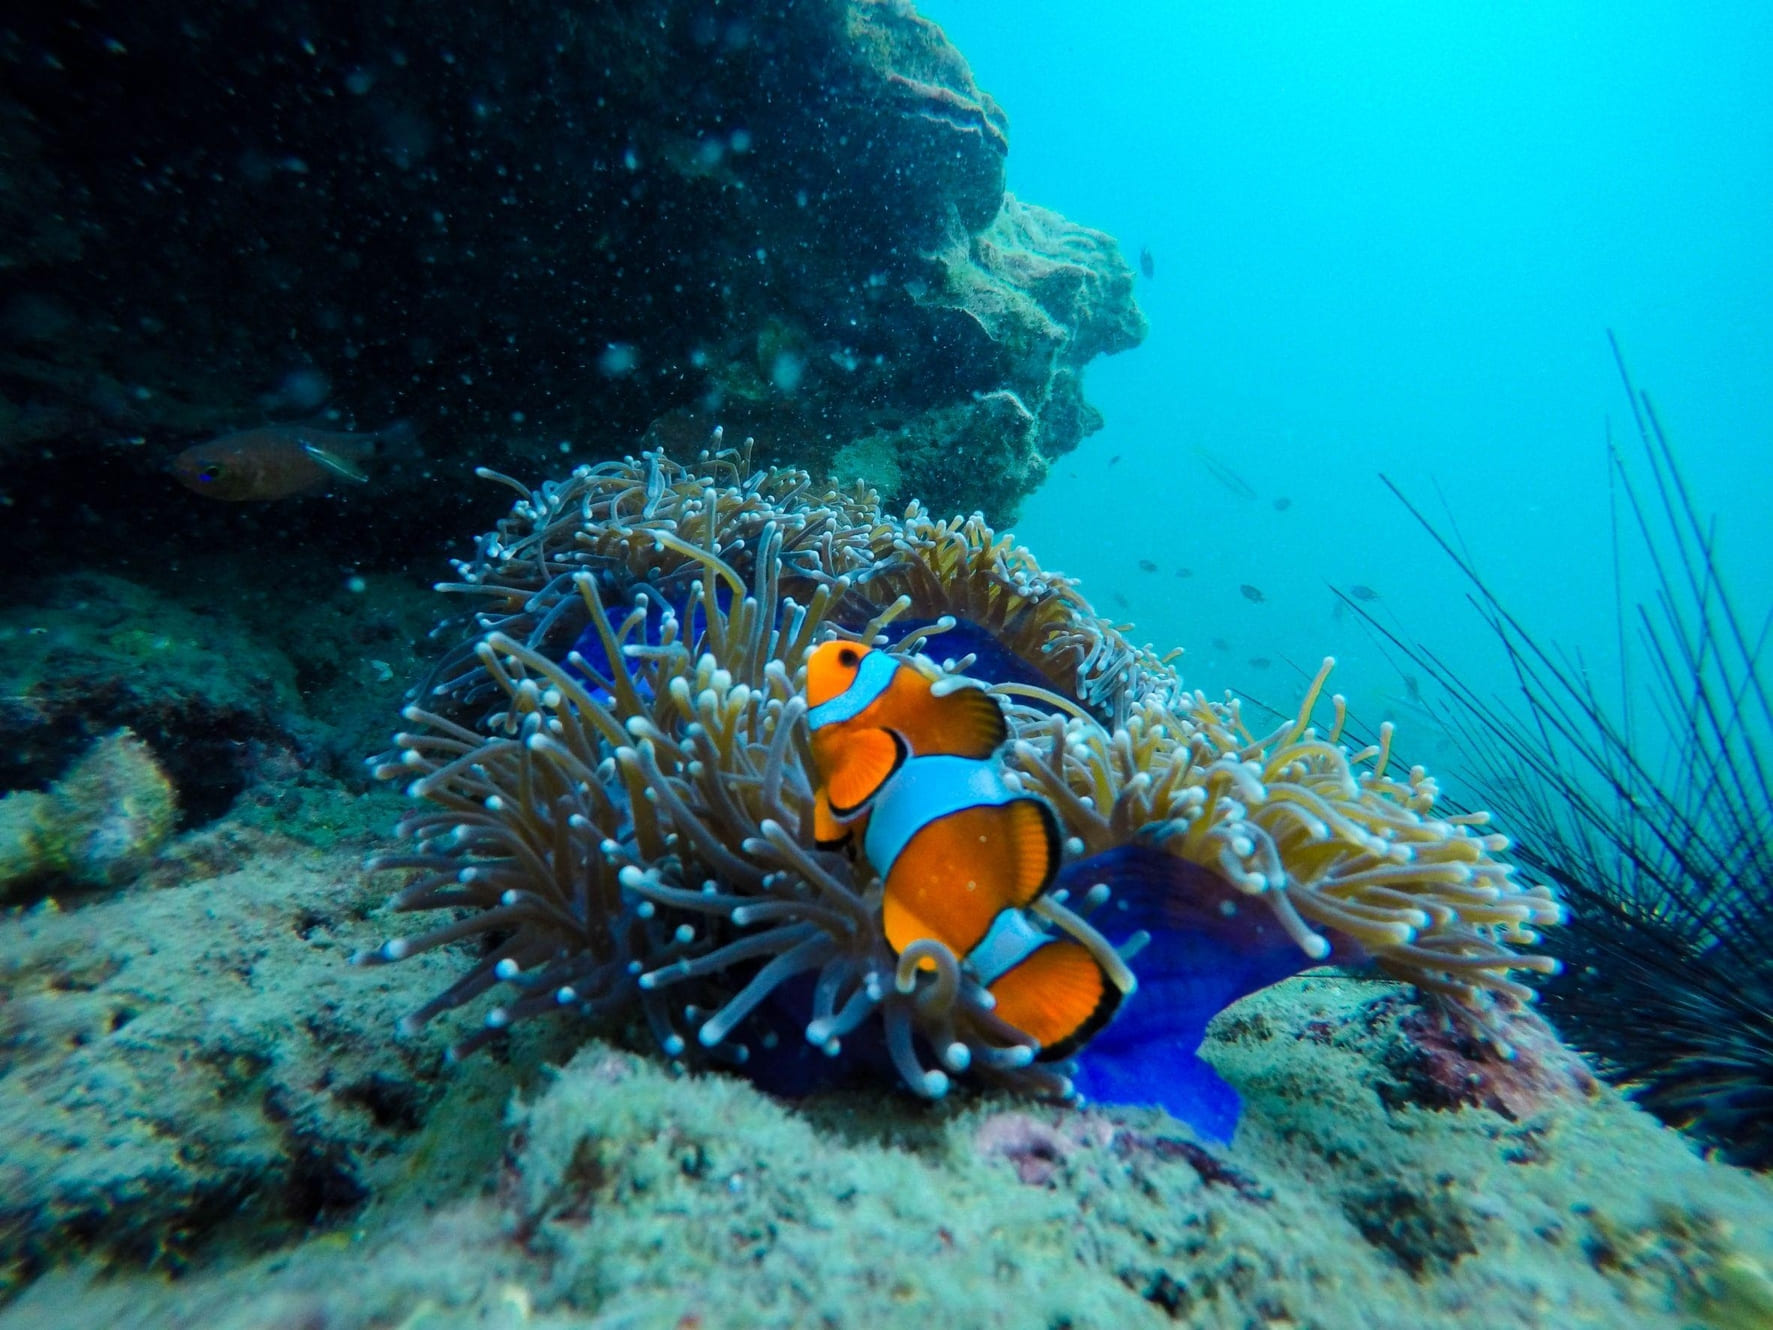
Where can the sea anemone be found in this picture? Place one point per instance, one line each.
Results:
(1655, 821)
(617, 787)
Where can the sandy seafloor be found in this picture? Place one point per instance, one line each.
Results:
(206, 1120)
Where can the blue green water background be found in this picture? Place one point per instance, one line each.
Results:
(1390, 236)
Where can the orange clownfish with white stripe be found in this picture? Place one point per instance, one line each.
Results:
(906, 764)
(869, 711)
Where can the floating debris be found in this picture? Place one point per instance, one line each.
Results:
(1252, 593)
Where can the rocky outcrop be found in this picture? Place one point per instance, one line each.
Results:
(515, 228)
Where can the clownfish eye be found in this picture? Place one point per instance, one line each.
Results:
(847, 658)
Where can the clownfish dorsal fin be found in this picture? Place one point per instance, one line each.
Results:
(967, 720)
(1058, 995)
(863, 763)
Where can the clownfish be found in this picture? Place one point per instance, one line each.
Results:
(909, 768)
(869, 711)
(960, 855)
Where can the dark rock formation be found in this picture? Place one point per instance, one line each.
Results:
(517, 226)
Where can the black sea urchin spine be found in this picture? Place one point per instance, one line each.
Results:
(1653, 818)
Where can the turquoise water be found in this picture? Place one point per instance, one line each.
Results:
(1389, 237)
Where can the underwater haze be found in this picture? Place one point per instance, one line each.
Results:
(635, 646)
(1390, 237)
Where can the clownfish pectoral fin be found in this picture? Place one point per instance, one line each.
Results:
(829, 832)
(1059, 995)
(965, 721)
(863, 762)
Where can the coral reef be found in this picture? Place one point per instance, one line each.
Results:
(97, 826)
(638, 832)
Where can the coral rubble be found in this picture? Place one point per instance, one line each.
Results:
(96, 826)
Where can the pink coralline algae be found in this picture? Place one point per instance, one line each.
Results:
(1039, 1147)
(1451, 1068)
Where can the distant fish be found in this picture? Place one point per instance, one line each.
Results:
(276, 461)
(1360, 592)
(1220, 644)
(1114, 459)
(1146, 264)
(1119, 600)
(1147, 566)
(1260, 662)
(1282, 504)
(1185, 572)
(1252, 593)
(1225, 475)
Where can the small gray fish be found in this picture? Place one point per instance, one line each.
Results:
(1252, 593)
(1282, 504)
(1147, 566)
(1360, 592)
(1185, 572)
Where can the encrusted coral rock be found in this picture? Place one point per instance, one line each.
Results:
(97, 826)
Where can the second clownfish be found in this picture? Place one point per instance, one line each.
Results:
(908, 767)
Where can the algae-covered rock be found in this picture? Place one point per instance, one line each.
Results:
(98, 826)
(88, 653)
(1355, 1196)
(187, 1063)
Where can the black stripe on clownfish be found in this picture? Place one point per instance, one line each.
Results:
(869, 711)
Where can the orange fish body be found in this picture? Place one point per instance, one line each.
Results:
(909, 768)
(960, 856)
(869, 711)
(275, 462)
